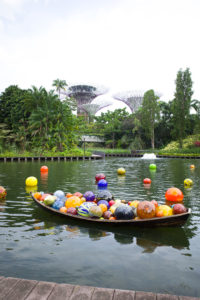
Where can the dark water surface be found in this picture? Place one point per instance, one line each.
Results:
(37, 245)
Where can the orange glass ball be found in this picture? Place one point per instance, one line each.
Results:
(103, 207)
(173, 194)
(73, 201)
(44, 169)
(146, 210)
(63, 209)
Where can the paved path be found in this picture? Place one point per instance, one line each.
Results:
(20, 289)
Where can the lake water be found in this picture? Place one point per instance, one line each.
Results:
(37, 245)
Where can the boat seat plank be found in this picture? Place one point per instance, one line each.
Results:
(41, 291)
(61, 291)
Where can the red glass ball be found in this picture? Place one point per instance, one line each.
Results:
(147, 181)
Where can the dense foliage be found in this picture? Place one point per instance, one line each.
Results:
(38, 121)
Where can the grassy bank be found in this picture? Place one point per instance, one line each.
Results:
(72, 152)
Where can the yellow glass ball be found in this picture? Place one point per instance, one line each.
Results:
(31, 181)
(165, 210)
(121, 171)
(188, 182)
(134, 203)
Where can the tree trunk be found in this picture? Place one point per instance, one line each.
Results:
(113, 140)
(152, 139)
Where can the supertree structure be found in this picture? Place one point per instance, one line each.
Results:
(92, 108)
(133, 99)
(84, 94)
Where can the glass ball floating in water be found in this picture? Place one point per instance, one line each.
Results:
(99, 177)
(188, 182)
(31, 181)
(152, 167)
(173, 194)
(102, 184)
(147, 181)
(44, 169)
(121, 171)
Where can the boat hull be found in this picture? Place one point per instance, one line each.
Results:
(174, 220)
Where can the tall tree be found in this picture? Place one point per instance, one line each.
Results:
(110, 123)
(59, 85)
(150, 114)
(182, 104)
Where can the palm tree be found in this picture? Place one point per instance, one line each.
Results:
(60, 85)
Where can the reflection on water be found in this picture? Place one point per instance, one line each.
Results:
(35, 242)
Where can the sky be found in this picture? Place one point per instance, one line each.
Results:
(123, 45)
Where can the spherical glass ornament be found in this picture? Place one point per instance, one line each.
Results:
(121, 171)
(174, 194)
(44, 169)
(99, 177)
(58, 204)
(179, 208)
(146, 210)
(104, 195)
(188, 182)
(95, 211)
(124, 212)
(89, 196)
(103, 207)
(83, 209)
(31, 181)
(49, 200)
(147, 181)
(72, 210)
(134, 203)
(102, 184)
(164, 211)
(103, 202)
(152, 166)
(59, 194)
(3, 192)
(73, 201)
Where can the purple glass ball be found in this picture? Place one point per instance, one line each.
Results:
(89, 196)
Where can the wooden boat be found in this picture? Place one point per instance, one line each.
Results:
(174, 220)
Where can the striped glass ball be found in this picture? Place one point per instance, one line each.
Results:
(83, 209)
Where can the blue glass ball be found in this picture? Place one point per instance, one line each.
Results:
(59, 194)
(58, 204)
(103, 202)
(102, 184)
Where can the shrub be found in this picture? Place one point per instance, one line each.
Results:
(197, 143)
